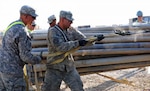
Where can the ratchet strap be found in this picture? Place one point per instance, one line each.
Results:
(90, 40)
(123, 81)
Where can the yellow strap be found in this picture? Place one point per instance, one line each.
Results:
(26, 77)
(92, 39)
(36, 78)
(123, 81)
(66, 54)
(15, 23)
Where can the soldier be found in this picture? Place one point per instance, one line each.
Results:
(140, 17)
(31, 26)
(139, 20)
(16, 52)
(60, 39)
(52, 20)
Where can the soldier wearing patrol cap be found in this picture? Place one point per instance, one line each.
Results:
(30, 28)
(52, 20)
(61, 40)
(16, 52)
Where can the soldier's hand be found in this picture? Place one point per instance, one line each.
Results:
(83, 42)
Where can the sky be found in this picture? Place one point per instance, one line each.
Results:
(85, 12)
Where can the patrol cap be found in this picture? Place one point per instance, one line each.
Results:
(28, 10)
(139, 13)
(33, 23)
(66, 14)
(51, 18)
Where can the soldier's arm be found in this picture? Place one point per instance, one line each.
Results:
(78, 35)
(57, 40)
(25, 47)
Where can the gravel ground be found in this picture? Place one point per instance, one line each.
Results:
(138, 76)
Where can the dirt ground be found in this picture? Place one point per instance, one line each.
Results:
(139, 77)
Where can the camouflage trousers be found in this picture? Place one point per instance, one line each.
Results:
(11, 83)
(53, 79)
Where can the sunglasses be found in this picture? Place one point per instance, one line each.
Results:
(33, 17)
(33, 25)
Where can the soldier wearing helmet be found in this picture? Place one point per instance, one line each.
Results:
(140, 17)
(139, 20)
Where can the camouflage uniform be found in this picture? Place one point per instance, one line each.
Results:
(62, 41)
(15, 53)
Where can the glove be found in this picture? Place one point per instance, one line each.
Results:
(82, 42)
(123, 33)
(100, 37)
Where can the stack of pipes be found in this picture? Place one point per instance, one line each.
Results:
(114, 52)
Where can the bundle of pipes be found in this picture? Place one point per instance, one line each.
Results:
(114, 52)
(39, 37)
(140, 26)
(112, 45)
